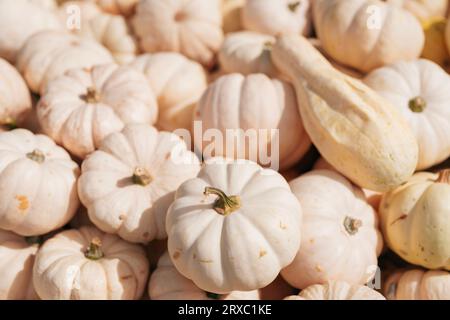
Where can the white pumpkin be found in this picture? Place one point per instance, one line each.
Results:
(340, 238)
(420, 91)
(129, 183)
(178, 84)
(111, 31)
(415, 220)
(16, 266)
(418, 284)
(337, 290)
(20, 19)
(277, 17)
(424, 9)
(118, 7)
(79, 109)
(49, 54)
(244, 106)
(15, 99)
(87, 264)
(166, 283)
(191, 27)
(247, 52)
(37, 184)
(367, 34)
(234, 227)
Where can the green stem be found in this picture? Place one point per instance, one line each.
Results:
(141, 177)
(92, 96)
(224, 204)
(417, 104)
(94, 250)
(37, 155)
(293, 5)
(34, 240)
(352, 225)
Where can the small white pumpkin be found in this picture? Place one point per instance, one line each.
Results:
(415, 220)
(118, 7)
(37, 184)
(247, 52)
(337, 290)
(417, 284)
(420, 91)
(178, 84)
(87, 264)
(424, 9)
(166, 283)
(244, 105)
(16, 266)
(79, 109)
(234, 227)
(191, 27)
(367, 34)
(20, 19)
(277, 17)
(111, 31)
(129, 183)
(15, 99)
(49, 54)
(340, 238)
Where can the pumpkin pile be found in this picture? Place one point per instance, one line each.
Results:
(105, 195)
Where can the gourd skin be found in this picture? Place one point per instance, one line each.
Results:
(420, 91)
(121, 201)
(244, 247)
(178, 84)
(166, 283)
(20, 19)
(192, 27)
(415, 220)
(357, 131)
(340, 238)
(64, 271)
(337, 290)
(15, 99)
(49, 54)
(367, 34)
(16, 266)
(232, 102)
(79, 109)
(417, 284)
(49, 199)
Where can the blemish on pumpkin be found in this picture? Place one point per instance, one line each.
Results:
(283, 226)
(319, 268)
(312, 240)
(168, 156)
(23, 202)
(126, 277)
(402, 217)
(176, 255)
(205, 261)
(262, 253)
(122, 217)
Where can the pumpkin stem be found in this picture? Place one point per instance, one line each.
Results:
(94, 251)
(417, 104)
(268, 46)
(352, 225)
(224, 204)
(444, 176)
(141, 177)
(214, 296)
(34, 240)
(9, 123)
(293, 5)
(92, 96)
(37, 155)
